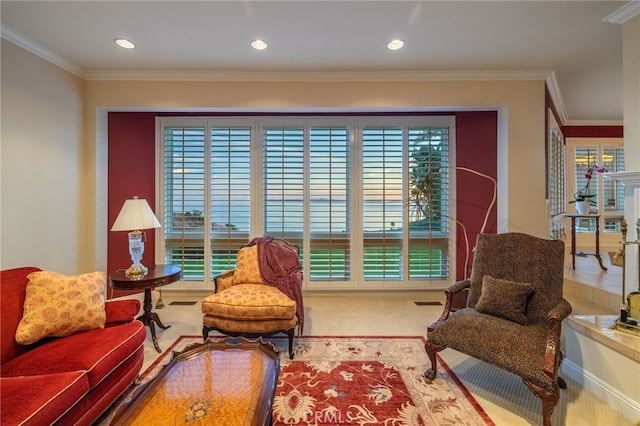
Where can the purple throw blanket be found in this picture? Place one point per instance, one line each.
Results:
(280, 267)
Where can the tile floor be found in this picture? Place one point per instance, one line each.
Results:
(588, 271)
(588, 283)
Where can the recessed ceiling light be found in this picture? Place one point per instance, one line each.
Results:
(124, 43)
(259, 44)
(395, 44)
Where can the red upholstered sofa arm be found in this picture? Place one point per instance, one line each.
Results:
(121, 311)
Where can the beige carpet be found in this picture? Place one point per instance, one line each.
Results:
(502, 395)
(508, 401)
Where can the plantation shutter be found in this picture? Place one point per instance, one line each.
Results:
(606, 195)
(556, 173)
(428, 201)
(613, 191)
(230, 194)
(585, 158)
(382, 177)
(184, 205)
(293, 178)
(329, 236)
(283, 156)
(557, 190)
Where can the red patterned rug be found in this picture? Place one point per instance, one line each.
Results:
(361, 381)
(369, 381)
(343, 392)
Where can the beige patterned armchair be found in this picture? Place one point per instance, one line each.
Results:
(513, 315)
(262, 296)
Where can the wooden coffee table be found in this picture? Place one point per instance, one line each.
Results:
(225, 383)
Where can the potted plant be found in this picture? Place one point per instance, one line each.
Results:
(583, 197)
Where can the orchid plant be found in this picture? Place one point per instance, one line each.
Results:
(584, 194)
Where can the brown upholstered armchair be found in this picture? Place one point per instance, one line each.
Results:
(262, 296)
(513, 314)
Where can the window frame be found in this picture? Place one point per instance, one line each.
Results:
(256, 225)
(586, 237)
(556, 179)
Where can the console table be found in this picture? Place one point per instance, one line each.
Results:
(573, 218)
(157, 276)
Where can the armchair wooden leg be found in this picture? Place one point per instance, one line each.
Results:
(549, 400)
(561, 383)
(432, 349)
(290, 335)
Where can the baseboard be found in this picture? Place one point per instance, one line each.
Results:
(608, 394)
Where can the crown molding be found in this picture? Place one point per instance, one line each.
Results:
(558, 102)
(556, 97)
(626, 12)
(151, 75)
(38, 50)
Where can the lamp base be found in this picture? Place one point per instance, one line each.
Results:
(136, 272)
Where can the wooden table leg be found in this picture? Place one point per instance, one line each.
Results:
(597, 255)
(150, 318)
(573, 242)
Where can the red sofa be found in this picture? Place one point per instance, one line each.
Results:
(68, 380)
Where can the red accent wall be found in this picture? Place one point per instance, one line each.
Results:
(593, 131)
(477, 149)
(131, 171)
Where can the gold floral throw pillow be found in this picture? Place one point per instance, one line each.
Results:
(247, 268)
(59, 305)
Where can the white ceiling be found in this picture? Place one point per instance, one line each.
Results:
(569, 41)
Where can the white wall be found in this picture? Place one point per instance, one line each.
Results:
(41, 150)
(631, 84)
(597, 368)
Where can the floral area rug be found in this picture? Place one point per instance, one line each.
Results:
(360, 381)
(369, 381)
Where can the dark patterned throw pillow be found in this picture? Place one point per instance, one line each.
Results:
(504, 299)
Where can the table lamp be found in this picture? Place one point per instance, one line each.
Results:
(134, 216)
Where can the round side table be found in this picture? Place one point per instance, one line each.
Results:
(157, 276)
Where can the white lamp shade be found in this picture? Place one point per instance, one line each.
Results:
(135, 215)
